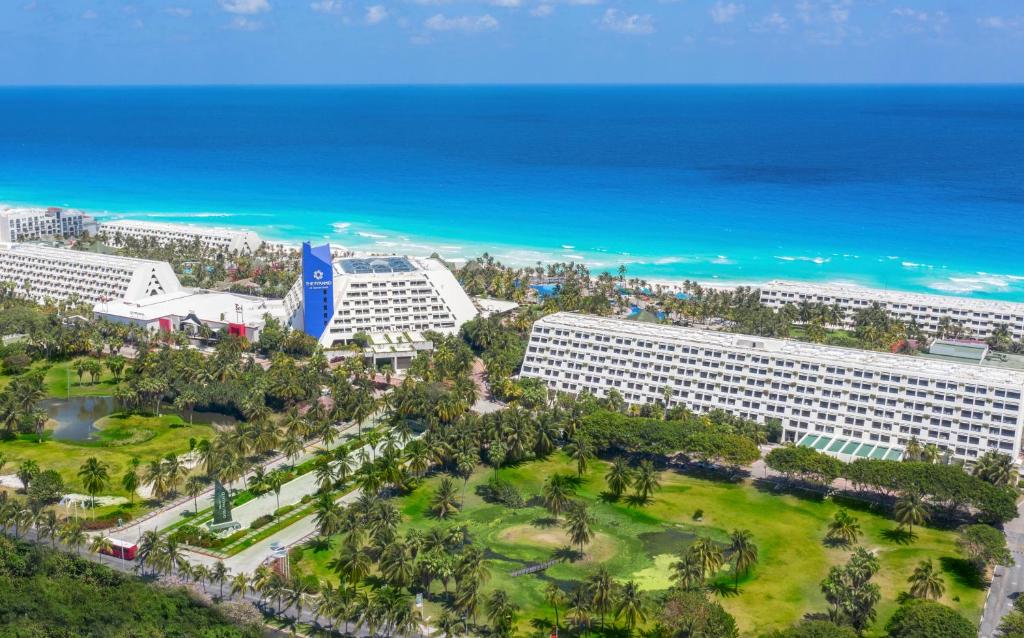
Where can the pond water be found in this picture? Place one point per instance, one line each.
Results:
(76, 416)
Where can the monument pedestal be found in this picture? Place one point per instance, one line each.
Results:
(227, 526)
(222, 521)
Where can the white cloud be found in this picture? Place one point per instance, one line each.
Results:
(178, 12)
(915, 21)
(376, 14)
(89, 14)
(725, 12)
(467, 24)
(245, 7)
(771, 23)
(542, 11)
(242, 23)
(509, 4)
(1001, 22)
(632, 24)
(326, 6)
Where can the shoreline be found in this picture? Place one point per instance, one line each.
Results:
(368, 239)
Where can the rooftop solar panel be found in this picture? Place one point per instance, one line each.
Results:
(364, 266)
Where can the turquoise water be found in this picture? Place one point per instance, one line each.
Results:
(910, 188)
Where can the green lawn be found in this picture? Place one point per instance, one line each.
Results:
(61, 373)
(641, 543)
(121, 437)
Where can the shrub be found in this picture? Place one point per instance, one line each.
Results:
(928, 619)
(284, 510)
(261, 521)
(505, 493)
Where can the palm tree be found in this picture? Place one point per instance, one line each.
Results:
(619, 477)
(579, 608)
(646, 481)
(708, 554)
(351, 563)
(130, 481)
(910, 510)
(274, 482)
(443, 504)
(556, 493)
(554, 595)
(744, 554)
(101, 545)
(579, 524)
(219, 574)
(843, 529)
(156, 479)
(47, 526)
(689, 570)
(925, 582)
(194, 486)
(72, 534)
(630, 607)
(240, 585)
(501, 613)
(602, 591)
(93, 474)
(581, 451)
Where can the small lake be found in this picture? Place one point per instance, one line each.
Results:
(76, 416)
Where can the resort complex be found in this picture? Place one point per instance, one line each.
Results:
(978, 317)
(217, 239)
(337, 299)
(854, 401)
(34, 224)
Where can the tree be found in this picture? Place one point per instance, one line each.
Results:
(444, 503)
(554, 596)
(910, 510)
(27, 471)
(130, 481)
(72, 534)
(619, 477)
(630, 607)
(849, 591)
(579, 524)
(744, 554)
(274, 481)
(501, 613)
(844, 529)
(927, 619)
(690, 614)
(580, 450)
(996, 468)
(94, 477)
(984, 545)
(602, 592)
(101, 545)
(194, 486)
(814, 629)
(645, 483)
(556, 494)
(46, 488)
(925, 582)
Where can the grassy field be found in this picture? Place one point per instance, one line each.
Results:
(641, 543)
(121, 438)
(60, 374)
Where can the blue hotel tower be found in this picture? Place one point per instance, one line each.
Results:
(317, 289)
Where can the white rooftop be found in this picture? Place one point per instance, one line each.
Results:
(191, 228)
(786, 347)
(206, 305)
(77, 256)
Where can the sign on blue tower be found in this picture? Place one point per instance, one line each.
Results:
(317, 288)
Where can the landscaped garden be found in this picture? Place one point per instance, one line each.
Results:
(640, 543)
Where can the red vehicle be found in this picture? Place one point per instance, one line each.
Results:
(121, 549)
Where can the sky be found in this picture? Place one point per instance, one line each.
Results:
(87, 42)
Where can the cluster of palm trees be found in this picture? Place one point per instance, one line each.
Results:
(598, 596)
(704, 558)
(643, 480)
(19, 404)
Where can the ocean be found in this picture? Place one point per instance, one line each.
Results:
(910, 188)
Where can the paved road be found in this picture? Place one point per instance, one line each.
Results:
(1007, 582)
(246, 513)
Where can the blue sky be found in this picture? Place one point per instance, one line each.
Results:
(509, 41)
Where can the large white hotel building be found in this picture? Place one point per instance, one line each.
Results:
(852, 403)
(980, 316)
(220, 239)
(336, 299)
(34, 224)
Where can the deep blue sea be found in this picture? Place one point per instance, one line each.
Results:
(916, 188)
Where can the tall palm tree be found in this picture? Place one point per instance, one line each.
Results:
(688, 571)
(630, 607)
(925, 582)
(579, 524)
(130, 481)
(580, 450)
(219, 575)
(554, 595)
(194, 486)
(602, 592)
(47, 526)
(101, 545)
(744, 554)
(240, 585)
(94, 476)
(275, 481)
(646, 482)
(72, 534)
(910, 510)
(557, 493)
(709, 555)
(619, 477)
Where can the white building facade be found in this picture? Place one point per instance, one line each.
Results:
(34, 224)
(877, 400)
(980, 316)
(41, 273)
(219, 239)
(336, 299)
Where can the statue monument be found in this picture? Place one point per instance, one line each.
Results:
(222, 521)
